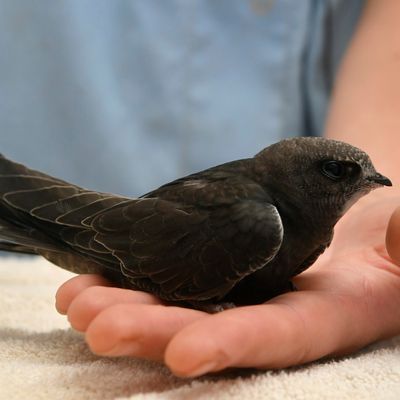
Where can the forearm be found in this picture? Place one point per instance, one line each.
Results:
(365, 108)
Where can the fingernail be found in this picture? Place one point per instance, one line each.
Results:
(60, 310)
(123, 349)
(203, 369)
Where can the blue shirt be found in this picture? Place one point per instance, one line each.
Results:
(123, 96)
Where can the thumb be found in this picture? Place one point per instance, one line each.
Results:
(393, 236)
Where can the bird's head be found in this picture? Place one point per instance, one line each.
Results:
(328, 174)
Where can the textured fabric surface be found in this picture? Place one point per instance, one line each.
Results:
(41, 358)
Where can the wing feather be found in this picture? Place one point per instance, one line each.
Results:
(190, 253)
(192, 239)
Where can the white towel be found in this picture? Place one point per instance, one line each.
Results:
(42, 358)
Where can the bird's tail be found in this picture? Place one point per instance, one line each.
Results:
(43, 215)
(15, 248)
(20, 188)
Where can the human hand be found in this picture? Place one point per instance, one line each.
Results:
(349, 298)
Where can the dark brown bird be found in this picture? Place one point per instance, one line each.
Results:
(237, 232)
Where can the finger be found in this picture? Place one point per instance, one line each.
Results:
(70, 289)
(393, 236)
(94, 299)
(137, 330)
(274, 335)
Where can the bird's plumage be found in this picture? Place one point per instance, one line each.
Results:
(239, 231)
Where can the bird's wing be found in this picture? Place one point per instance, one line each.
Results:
(190, 253)
(42, 214)
(195, 243)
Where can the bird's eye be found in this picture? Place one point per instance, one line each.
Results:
(333, 170)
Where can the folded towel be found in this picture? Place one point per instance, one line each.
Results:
(42, 358)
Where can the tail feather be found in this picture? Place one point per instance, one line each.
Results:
(28, 237)
(33, 207)
(9, 168)
(16, 248)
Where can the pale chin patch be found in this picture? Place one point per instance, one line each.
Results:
(353, 199)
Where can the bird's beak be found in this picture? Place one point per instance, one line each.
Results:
(380, 179)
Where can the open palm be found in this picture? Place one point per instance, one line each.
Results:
(349, 298)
